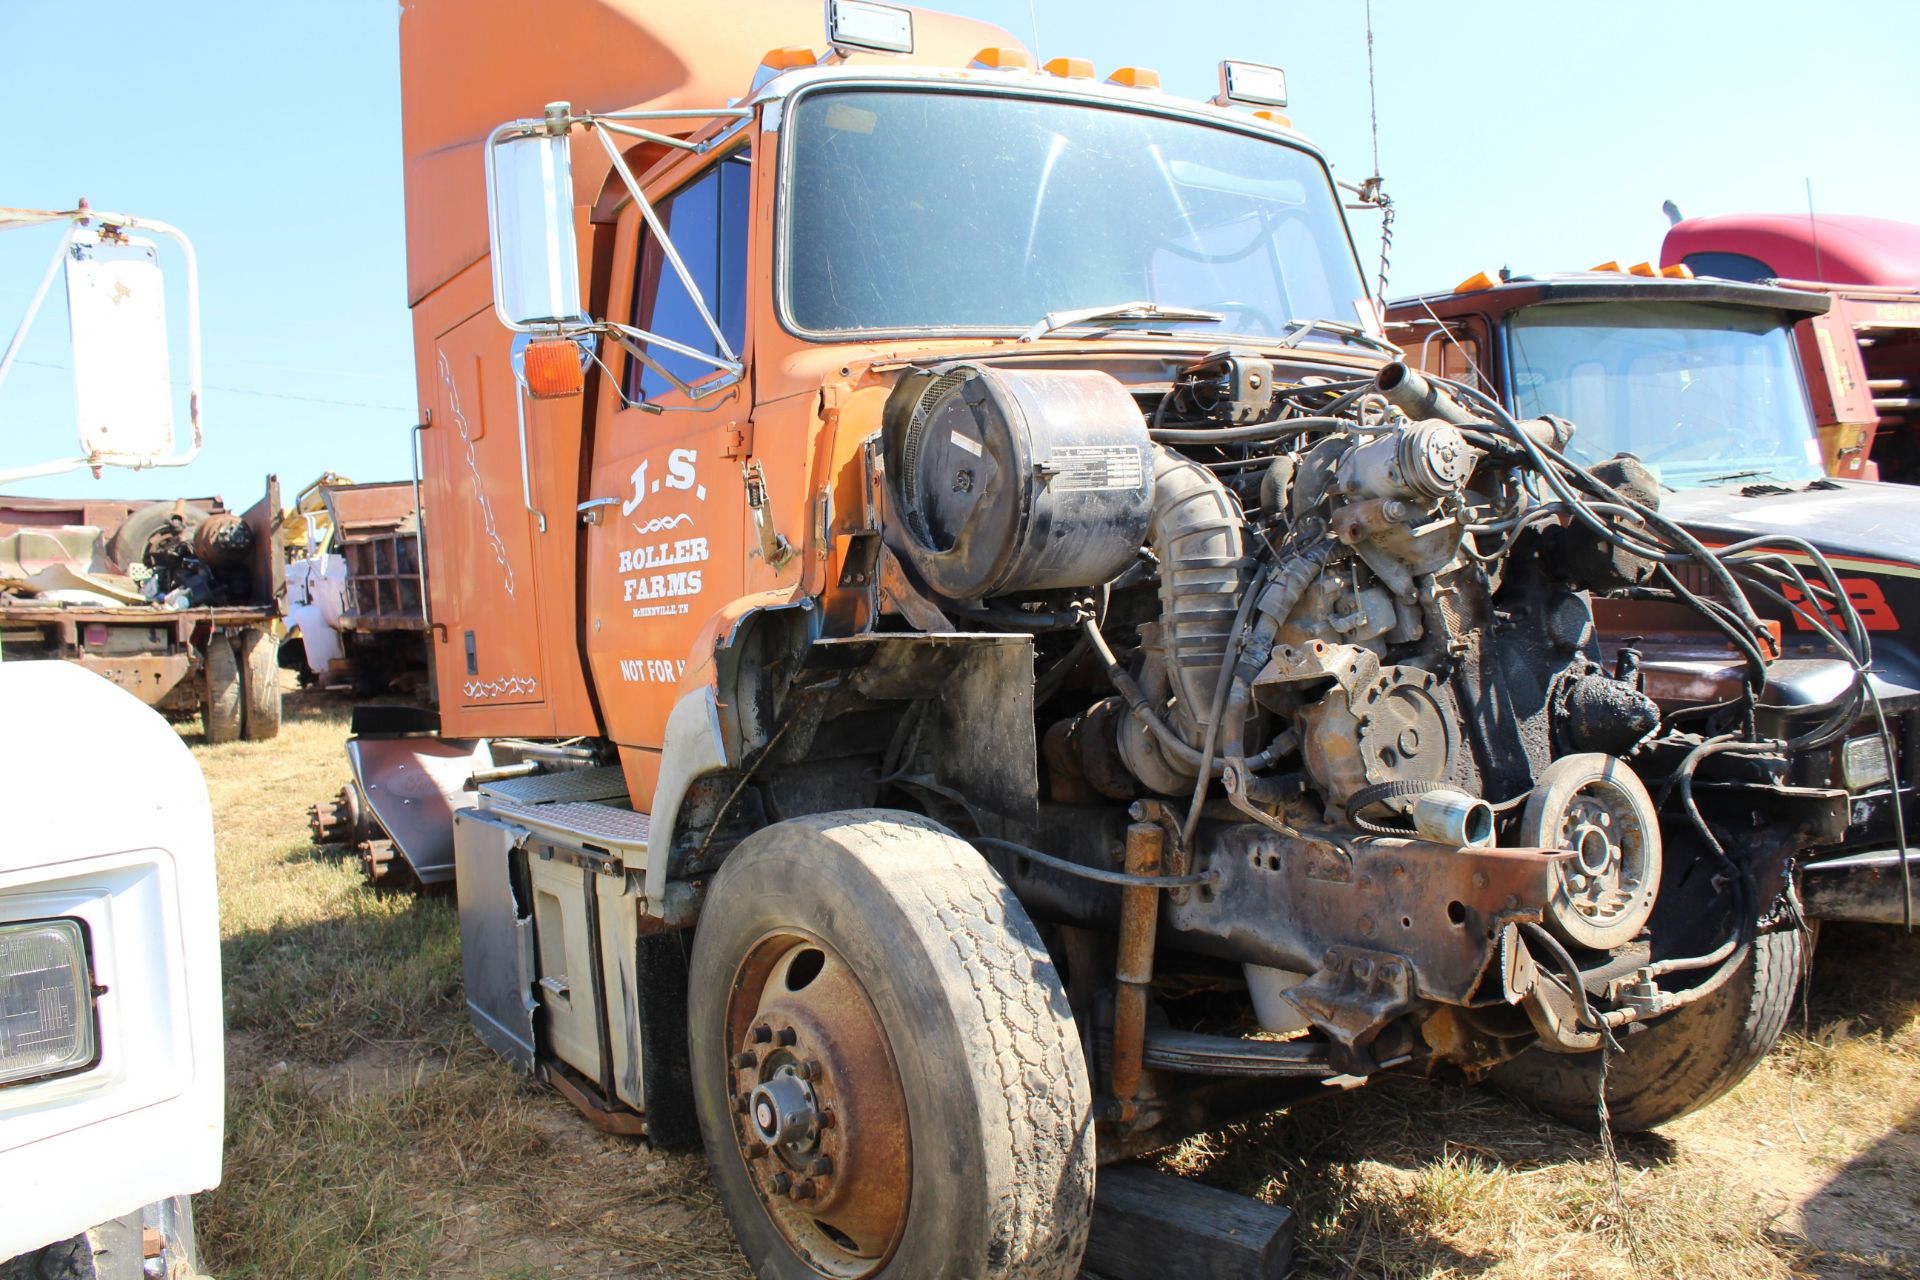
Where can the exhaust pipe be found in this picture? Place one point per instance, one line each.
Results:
(1417, 396)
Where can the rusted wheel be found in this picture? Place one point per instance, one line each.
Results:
(260, 683)
(887, 1075)
(824, 1122)
(221, 698)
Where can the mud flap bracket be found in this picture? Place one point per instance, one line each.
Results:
(496, 935)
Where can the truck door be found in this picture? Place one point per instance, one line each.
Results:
(480, 532)
(664, 544)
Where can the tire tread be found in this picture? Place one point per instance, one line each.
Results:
(1679, 1064)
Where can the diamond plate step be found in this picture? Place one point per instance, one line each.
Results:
(566, 786)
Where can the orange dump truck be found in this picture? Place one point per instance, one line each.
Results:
(962, 654)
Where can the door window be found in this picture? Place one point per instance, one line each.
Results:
(707, 220)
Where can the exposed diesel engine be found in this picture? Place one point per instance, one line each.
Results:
(1338, 635)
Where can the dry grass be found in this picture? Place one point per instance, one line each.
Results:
(369, 1136)
(1811, 1168)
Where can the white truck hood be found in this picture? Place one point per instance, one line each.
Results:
(108, 823)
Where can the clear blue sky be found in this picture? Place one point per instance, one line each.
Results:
(1523, 132)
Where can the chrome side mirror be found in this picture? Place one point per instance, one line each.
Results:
(117, 322)
(536, 262)
(117, 327)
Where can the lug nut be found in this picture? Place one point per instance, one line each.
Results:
(762, 1033)
(785, 1036)
(806, 1070)
(745, 1059)
(740, 1103)
(820, 1166)
(780, 1184)
(805, 1190)
(755, 1150)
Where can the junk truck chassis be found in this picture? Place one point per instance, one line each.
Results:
(987, 626)
(210, 651)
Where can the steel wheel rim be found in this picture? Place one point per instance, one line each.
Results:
(819, 1111)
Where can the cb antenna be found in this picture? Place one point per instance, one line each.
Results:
(1373, 191)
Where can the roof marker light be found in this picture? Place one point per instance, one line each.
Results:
(861, 24)
(1475, 283)
(1252, 83)
(1274, 117)
(1069, 68)
(1609, 265)
(786, 59)
(1135, 78)
(1642, 269)
(1002, 58)
(1678, 271)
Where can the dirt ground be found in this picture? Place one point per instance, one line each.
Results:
(370, 1136)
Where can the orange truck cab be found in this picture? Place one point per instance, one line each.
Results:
(948, 613)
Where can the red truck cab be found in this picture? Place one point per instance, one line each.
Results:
(1863, 355)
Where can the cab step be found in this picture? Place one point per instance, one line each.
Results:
(572, 811)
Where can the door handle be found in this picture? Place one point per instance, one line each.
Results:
(590, 510)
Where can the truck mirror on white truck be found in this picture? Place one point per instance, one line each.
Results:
(117, 323)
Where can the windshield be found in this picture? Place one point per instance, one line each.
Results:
(929, 210)
(1703, 394)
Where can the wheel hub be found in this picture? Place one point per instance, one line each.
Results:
(820, 1111)
(783, 1111)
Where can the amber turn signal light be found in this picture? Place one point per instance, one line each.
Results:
(552, 369)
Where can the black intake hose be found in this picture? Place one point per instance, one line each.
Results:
(1199, 534)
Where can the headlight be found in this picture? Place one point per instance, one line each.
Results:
(1863, 763)
(46, 1000)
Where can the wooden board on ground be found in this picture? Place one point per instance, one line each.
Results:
(1149, 1225)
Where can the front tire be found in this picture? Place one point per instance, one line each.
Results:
(874, 1017)
(1678, 1064)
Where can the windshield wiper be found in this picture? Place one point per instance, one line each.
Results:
(1352, 332)
(1731, 475)
(1124, 311)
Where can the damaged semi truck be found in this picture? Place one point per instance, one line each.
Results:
(1702, 382)
(962, 654)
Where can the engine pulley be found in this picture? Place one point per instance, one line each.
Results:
(1596, 806)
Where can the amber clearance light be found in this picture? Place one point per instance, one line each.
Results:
(552, 369)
